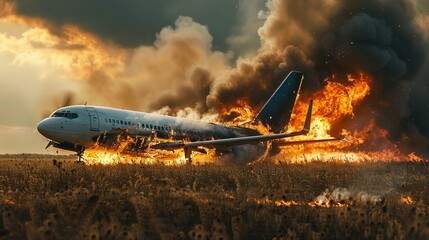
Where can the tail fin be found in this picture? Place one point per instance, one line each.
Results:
(277, 111)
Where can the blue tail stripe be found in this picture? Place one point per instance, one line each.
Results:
(277, 111)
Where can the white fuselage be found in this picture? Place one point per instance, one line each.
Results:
(82, 126)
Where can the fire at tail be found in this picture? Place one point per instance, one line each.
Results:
(335, 104)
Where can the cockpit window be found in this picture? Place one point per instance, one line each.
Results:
(67, 114)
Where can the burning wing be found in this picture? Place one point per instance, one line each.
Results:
(288, 143)
(243, 140)
(229, 142)
(223, 143)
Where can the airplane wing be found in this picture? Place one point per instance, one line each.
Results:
(228, 142)
(288, 143)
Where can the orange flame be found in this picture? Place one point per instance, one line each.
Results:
(332, 104)
(119, 153)
(413, 157)
(238, 114)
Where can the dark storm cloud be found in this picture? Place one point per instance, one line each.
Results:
(133, 23)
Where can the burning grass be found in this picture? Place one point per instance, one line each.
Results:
(41, 198)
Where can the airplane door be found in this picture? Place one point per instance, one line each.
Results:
(94, 120)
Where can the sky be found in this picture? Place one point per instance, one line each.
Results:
(191, 57)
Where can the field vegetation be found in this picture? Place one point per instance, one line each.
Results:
(47, 197)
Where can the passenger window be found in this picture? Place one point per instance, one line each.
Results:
(147, 125)
(105, 119)
(159, 128)
(125, 123)
(122, 122)
(129, 123)
(151, 127)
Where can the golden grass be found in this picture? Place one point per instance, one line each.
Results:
(45, 199)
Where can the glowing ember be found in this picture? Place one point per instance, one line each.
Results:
(278, 203)
(326, 205)
(9, 202)
(286, 203)
(407, 200)
(413, 157)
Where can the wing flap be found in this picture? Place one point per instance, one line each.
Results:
(289, 143)
(241, 140)
(170, 146)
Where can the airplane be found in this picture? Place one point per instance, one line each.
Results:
(78, 127)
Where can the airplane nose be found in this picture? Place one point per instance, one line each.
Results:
(44, 128)
(41, 127)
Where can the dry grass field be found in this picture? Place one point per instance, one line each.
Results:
(43, 198)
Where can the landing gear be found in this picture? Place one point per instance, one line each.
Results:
(79, 154)
(188, 153)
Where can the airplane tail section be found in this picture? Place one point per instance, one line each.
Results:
(277, 111)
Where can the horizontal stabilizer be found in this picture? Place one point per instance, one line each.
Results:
(308, 117)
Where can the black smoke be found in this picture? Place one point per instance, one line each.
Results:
(381, 39)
